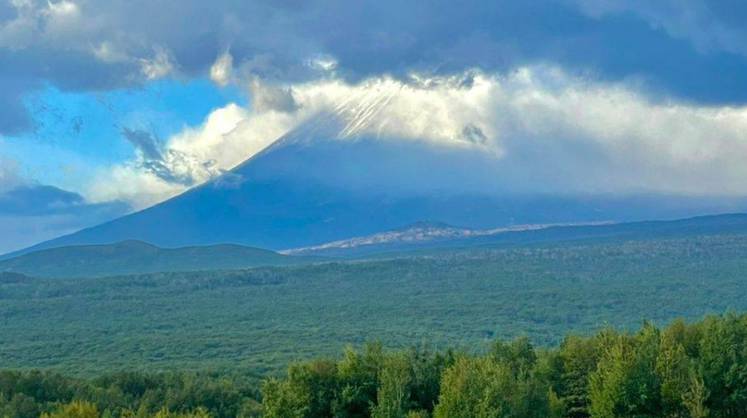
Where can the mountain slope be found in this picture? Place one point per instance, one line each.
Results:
(135, 257)
(424, 236)
(339, 175)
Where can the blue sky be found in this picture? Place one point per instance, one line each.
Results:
(119, 104)
(74, 133)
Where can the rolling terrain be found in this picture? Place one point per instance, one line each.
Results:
(260, 319)
(135, 257)
(423, 238)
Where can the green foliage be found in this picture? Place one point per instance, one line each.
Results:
(262, 319)
(358, 377)
(695, 398)
(132, 394)
(255, 321)
(427, 369)
(486, 388)
(365, 383)
(723, 364)
(677, 372)
(78, 409)
(198, 413)
(308, 391)
(135, 257)
(625, 383)
(681, 371)
(577, 358)
(518, 355)
(394, 388)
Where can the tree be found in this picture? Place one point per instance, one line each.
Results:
(197, 413)
(578, 357)
(74, 409)
(723, 365)
(394, 388)
(18, 406)
(358, 378)
(427, 368)
(674, 369)
(485, 388)
(307, 392)
(625, 383)
(694, 399)
(518, 355)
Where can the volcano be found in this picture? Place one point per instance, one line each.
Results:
(343, 174)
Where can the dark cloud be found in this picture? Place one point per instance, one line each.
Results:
(34, 200)
(474, 134)
(33, 213)
(105, 45)
(170, 165)
(166, 172)
(268, 97)
(145, 142)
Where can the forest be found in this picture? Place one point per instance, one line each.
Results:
(259, 320)
(682, 370)
(521, 331)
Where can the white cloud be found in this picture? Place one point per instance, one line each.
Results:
(544, 130)
(17, 33)
(227, 137)
(221, 70)
(58, 21)
(128, 182)
(324, 63)
(230, 135)
(62, 12)
(108, 52)
(159, 66)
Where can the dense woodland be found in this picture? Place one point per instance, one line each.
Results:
(684, 370)
(129, 346)
(260, 320)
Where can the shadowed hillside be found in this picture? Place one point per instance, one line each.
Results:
(131, 257)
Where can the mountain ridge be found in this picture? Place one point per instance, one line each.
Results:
(400, 241)
(422, 233)
(138, 257)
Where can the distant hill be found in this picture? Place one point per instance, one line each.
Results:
(10, 277)
(418, 235)
(135, 257)
(424, 235)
